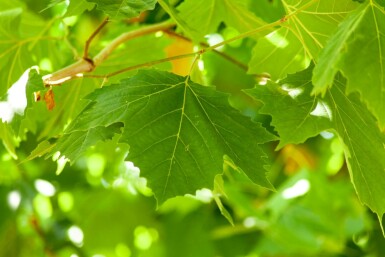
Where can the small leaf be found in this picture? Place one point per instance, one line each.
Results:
(124, 8)
(178, 131)
(43, 148)
(218, 192)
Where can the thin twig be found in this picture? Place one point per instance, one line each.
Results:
(84, 66)
(77, 69)
(142, 65)
(93, 35)
(226, 56)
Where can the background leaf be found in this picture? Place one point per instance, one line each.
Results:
(301, 37)
(234, 13)
(362, 32)
(297, 116)
(124, 8)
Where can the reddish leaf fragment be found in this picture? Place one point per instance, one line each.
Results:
(49, 99)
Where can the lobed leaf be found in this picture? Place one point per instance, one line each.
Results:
(301, 37)
(234, 13)
(357, 49)
(297, 116)
(178, 131)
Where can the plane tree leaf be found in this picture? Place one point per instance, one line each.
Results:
(301, 37)
(78, 7)
(124, 8)
(358, 50)
(234, 13)
(297, 115)
(178, 131)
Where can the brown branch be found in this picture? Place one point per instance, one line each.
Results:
(77, 69)
(225, 56)
(142, 65)
(93, 35)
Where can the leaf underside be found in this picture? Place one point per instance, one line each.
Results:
(178, 131)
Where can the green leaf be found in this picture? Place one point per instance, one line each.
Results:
(43, 148)
(124, 8)
(178, 131)
(300, 39)
(358, 50)
(9, 36)
(77, 7)
(218, 192)
(232, 12)
(297, 116)
(73, 145)
(269, 11)
(6, 135)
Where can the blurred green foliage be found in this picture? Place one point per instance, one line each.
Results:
(100, 206)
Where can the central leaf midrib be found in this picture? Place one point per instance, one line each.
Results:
(176, 139)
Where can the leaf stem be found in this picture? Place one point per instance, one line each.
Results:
(142, 65)
(89, 40)
(77, 69)
(225, 56)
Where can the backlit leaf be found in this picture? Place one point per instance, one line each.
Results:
(301, 37)
(124, 8)
(297, 116)
(212, 12)
(178, 131)
(358, 50)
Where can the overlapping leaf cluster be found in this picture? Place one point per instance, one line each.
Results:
(324, 60)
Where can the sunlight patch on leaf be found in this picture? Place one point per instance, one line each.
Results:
(300, 188)
(276, 39)
(16, 99)
(322, 109)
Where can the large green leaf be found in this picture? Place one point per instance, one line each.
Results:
(358, 50)
(178, 131)
(297, 116)
(301, 37)
(212, 12)
(124, 8)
